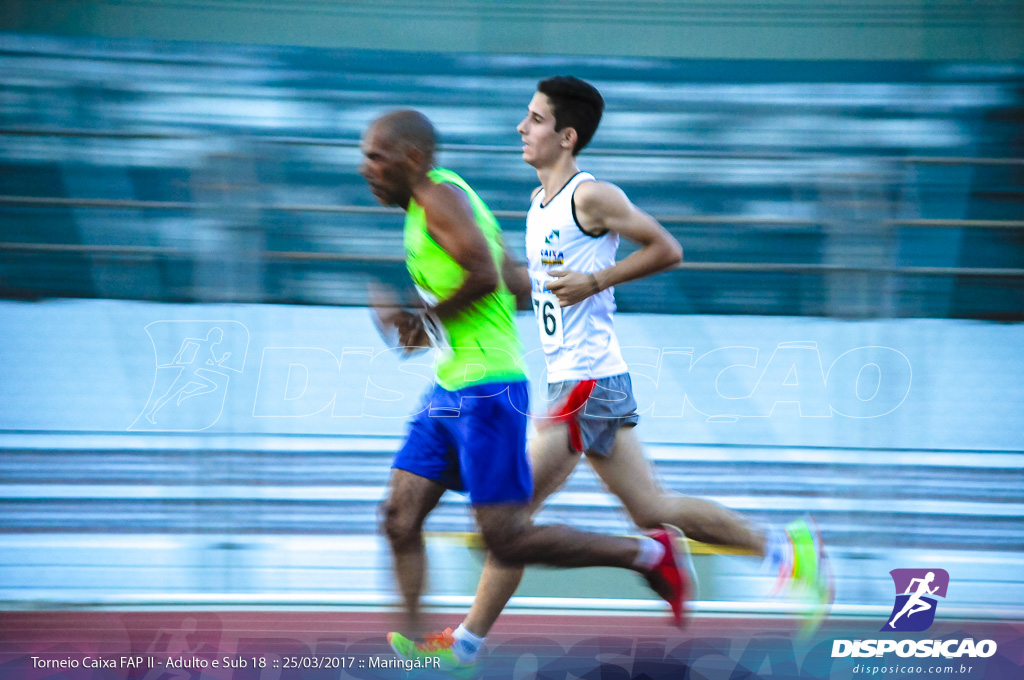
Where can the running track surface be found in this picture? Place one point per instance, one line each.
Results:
(290, 644)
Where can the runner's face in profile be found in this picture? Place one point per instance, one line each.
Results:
(541, 144)
(384, 167)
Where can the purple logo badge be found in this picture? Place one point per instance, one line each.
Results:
(914, 609)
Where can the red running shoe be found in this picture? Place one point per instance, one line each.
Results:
(673, 579)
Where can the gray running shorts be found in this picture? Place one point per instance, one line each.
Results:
(610, 407)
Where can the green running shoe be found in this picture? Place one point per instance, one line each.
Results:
(811, 576)
(434, 653)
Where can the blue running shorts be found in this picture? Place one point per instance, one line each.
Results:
(473, 440)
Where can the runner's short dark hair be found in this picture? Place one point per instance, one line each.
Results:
(576, 104)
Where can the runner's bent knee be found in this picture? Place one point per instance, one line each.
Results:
(503, 532)
(648, 513)
(401, 525)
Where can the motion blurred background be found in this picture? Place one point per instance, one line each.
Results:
(844, 337)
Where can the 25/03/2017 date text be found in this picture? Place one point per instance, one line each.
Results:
(339, 662)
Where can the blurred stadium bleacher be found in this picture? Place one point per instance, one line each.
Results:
(169, 171)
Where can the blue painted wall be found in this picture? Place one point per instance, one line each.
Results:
(91, 365)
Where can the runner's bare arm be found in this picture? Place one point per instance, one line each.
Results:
(515, 275)
(452, 225)
(517, 280)
(602, 207)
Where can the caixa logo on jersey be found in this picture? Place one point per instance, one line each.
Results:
(916, 590)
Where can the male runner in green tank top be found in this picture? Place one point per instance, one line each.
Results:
(471, 432)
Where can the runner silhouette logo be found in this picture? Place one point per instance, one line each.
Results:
(916, 589)
(194, 364)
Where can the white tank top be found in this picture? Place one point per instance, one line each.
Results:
(579, 341)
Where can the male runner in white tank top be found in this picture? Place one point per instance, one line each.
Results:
(572, 233)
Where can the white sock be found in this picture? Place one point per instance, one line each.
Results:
(467, 645)
(650, 555)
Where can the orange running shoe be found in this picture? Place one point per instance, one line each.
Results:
(435, 652)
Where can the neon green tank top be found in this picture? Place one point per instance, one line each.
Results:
(485, 345)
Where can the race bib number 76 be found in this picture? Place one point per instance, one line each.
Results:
(549, 318)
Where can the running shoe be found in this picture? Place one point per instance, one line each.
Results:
(810, 575)
(434, 646)
(674, 579)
